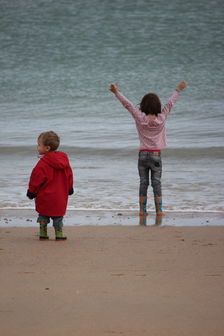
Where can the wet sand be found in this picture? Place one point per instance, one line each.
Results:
(28, 218)
(113, 280)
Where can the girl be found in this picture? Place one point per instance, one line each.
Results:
(150, 121)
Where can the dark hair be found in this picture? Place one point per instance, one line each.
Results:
(51, 139)
(150, 104)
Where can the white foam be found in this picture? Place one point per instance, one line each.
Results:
(121, 210)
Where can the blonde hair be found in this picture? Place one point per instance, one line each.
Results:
(50, 139)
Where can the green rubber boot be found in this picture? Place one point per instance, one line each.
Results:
(59, 235)
(159, 206)
(43, 231)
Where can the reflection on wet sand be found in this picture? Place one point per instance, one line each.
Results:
(143, 220)
(158, 220)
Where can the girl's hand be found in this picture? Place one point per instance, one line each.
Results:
(181, 86)
(113, 88)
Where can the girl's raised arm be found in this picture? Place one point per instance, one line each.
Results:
(167, 108)
(125, 102)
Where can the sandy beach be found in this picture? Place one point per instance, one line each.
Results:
(113, 280)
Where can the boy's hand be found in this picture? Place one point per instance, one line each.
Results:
(113, 88)
(181, 86)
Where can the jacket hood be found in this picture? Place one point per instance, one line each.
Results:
(57, 160)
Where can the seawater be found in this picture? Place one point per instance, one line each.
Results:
(57, 60)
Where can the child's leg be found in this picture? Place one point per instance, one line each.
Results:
(58, 225)
(156, 182)
(143, 169)
(43, 220)
(156, 174)
(159, 206)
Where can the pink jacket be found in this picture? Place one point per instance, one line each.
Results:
(152, 133)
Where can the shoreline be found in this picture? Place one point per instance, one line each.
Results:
(88, 217)
(113, 280)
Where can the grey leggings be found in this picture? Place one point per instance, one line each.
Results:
(57, 221)
(149, 161)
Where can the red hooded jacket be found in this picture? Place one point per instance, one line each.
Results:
(51, 182)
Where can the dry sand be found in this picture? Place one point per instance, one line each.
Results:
(113, 280)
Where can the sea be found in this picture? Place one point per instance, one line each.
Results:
(57, 60)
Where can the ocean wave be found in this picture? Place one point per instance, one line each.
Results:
(184, 152)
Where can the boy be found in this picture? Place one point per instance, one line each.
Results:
(50, 184)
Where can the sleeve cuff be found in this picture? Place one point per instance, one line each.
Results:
(71, 191)
(30, 195)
